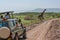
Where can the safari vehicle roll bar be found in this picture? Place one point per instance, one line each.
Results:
(8, 12)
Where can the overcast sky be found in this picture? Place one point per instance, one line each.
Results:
(25, 5)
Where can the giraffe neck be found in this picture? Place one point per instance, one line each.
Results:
(43, 13)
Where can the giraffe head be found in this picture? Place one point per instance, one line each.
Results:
(44, 9)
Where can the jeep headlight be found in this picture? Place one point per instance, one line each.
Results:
(4, 32)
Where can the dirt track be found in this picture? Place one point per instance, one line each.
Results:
(39, 32)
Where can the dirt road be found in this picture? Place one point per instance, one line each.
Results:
(39, 32)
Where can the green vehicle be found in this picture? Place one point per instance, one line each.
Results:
(11, 29)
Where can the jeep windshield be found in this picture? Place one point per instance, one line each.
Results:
(8, 23)
(4, 24)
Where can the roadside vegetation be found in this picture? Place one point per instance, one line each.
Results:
(29, 18)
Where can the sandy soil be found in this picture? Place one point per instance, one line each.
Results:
(44, 31)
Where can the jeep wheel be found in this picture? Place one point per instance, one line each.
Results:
(24, 36)
(16, 36)
(24, 33)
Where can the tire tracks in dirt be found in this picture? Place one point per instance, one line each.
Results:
(39, 32)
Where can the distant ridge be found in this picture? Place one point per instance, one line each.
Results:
(48, 10)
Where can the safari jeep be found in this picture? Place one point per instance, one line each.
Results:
(10, 29)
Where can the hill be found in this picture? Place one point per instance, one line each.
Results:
(48, 10)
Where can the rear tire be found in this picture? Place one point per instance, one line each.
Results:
(16, 36)
(24, 33)
(24, 36)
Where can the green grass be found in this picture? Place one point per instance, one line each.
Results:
(27, 22)
(47, 16)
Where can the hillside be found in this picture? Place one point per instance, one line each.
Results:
(48, 10)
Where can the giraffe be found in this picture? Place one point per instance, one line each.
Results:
(41, 17)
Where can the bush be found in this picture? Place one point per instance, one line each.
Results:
(29, 17)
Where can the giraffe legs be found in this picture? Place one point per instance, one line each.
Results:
(41, 18)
